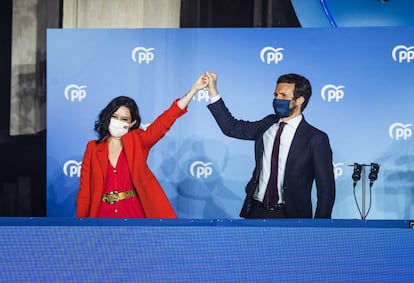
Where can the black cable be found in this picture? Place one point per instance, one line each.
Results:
(356, 202)
(373, 175)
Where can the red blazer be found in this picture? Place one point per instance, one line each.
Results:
(137, 144)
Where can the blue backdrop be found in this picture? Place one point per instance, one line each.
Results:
(362, 97)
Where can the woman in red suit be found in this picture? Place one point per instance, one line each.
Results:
(115, 178)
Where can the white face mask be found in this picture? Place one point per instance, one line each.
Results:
(118, 128)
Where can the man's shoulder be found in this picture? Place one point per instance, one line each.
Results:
(269, 120)
(312, 128)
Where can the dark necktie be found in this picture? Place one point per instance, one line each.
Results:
(271, 195)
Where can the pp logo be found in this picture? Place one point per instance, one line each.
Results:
(75, 92)
(142, 55)
(331, 92)
(401, 53)
(200, 169)
(338, 170)
(72, 168)
(400, 131)
(202, 94)
(270, 54)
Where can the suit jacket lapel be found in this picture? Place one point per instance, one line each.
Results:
(102, 156)
(296, 148)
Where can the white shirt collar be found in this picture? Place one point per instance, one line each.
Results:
(294, 123)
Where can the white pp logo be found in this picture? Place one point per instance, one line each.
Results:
(338, 170)
(400, 131)
(202, 95)
(72, 168)
(271, 55)
(331, 92)
(200, 169)
(75, 92)
(402, 53)
(142, 55)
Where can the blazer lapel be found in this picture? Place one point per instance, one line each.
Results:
(297, 146)
(102, 156)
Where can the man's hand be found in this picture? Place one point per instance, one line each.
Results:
(212, 84)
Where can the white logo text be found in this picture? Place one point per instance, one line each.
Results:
(271, 55)
(74, 92)
(401, 53)
(331, 92)
(400, 131)
(338, 170)
(142, 55)
(202, 95)
(200, 169)
(72, 168)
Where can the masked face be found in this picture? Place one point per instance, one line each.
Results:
(282, 107)
(118, 128)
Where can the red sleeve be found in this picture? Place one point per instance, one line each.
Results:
(162, 124)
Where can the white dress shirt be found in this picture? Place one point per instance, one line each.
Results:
(285, 142)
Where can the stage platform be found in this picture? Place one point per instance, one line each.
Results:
(219, 250)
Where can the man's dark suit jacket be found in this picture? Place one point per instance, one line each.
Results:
(309, 159)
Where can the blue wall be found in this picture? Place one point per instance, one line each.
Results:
(362, 97)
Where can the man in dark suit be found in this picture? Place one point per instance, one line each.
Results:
(301, 154)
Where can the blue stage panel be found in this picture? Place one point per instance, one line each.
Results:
(129, 250)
